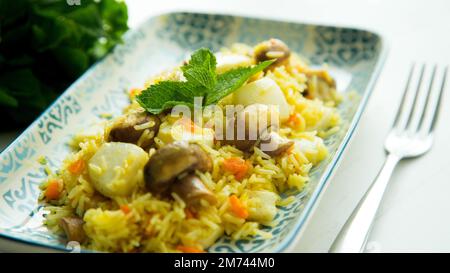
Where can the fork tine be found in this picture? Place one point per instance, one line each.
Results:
(425, 105)
(402, 102)
(437, 104)
(412, 108)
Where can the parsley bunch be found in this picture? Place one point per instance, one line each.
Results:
(45, 45)
(201, 81)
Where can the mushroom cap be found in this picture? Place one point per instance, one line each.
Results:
(126, 129)
(171, 161)
(191, 189)
(272, 49)
(73, 228)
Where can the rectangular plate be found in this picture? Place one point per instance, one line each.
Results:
(355, 58)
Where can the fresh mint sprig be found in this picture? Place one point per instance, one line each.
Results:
(201, 81)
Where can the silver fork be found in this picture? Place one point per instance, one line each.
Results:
(411, 136)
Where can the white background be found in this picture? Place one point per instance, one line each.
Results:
(415, 214)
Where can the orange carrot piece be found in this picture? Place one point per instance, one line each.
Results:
(77, 167)
(237, 166)
(125, 208)
(189, 249)
(292, 118)
(188, 124)
(295, 120)
(237, 207)
(52, 191)
(247, 166)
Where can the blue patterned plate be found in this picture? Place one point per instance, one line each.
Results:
(355, 58)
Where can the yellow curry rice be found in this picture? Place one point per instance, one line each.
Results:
(146, 222)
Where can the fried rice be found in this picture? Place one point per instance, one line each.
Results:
(146, 222)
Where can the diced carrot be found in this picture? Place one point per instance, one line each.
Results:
(293, 118)
(188, 124)
(296, 121)
(77, 167)
(53, 191)
(237, 207)
(189, 213)
(237, 166)
(125, 208)
(189, 249)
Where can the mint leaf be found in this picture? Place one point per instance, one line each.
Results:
(201, 81)
(46, 45)
(162, 96)
(201, 69)
(231, 80)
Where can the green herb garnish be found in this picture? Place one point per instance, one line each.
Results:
(46, 45)
(201, 81)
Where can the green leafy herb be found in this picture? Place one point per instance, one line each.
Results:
(201, 81)
(46, 45)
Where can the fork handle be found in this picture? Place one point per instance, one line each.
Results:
(353, 236)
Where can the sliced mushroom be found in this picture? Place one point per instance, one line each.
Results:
(191, 189)
(171, 161)
(243, 143)
(73, 228)
(272, 49)
(131, 127)
(319, 85)
(273, 144)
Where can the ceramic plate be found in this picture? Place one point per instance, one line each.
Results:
(354, 56)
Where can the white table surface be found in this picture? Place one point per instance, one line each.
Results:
(414, 215)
